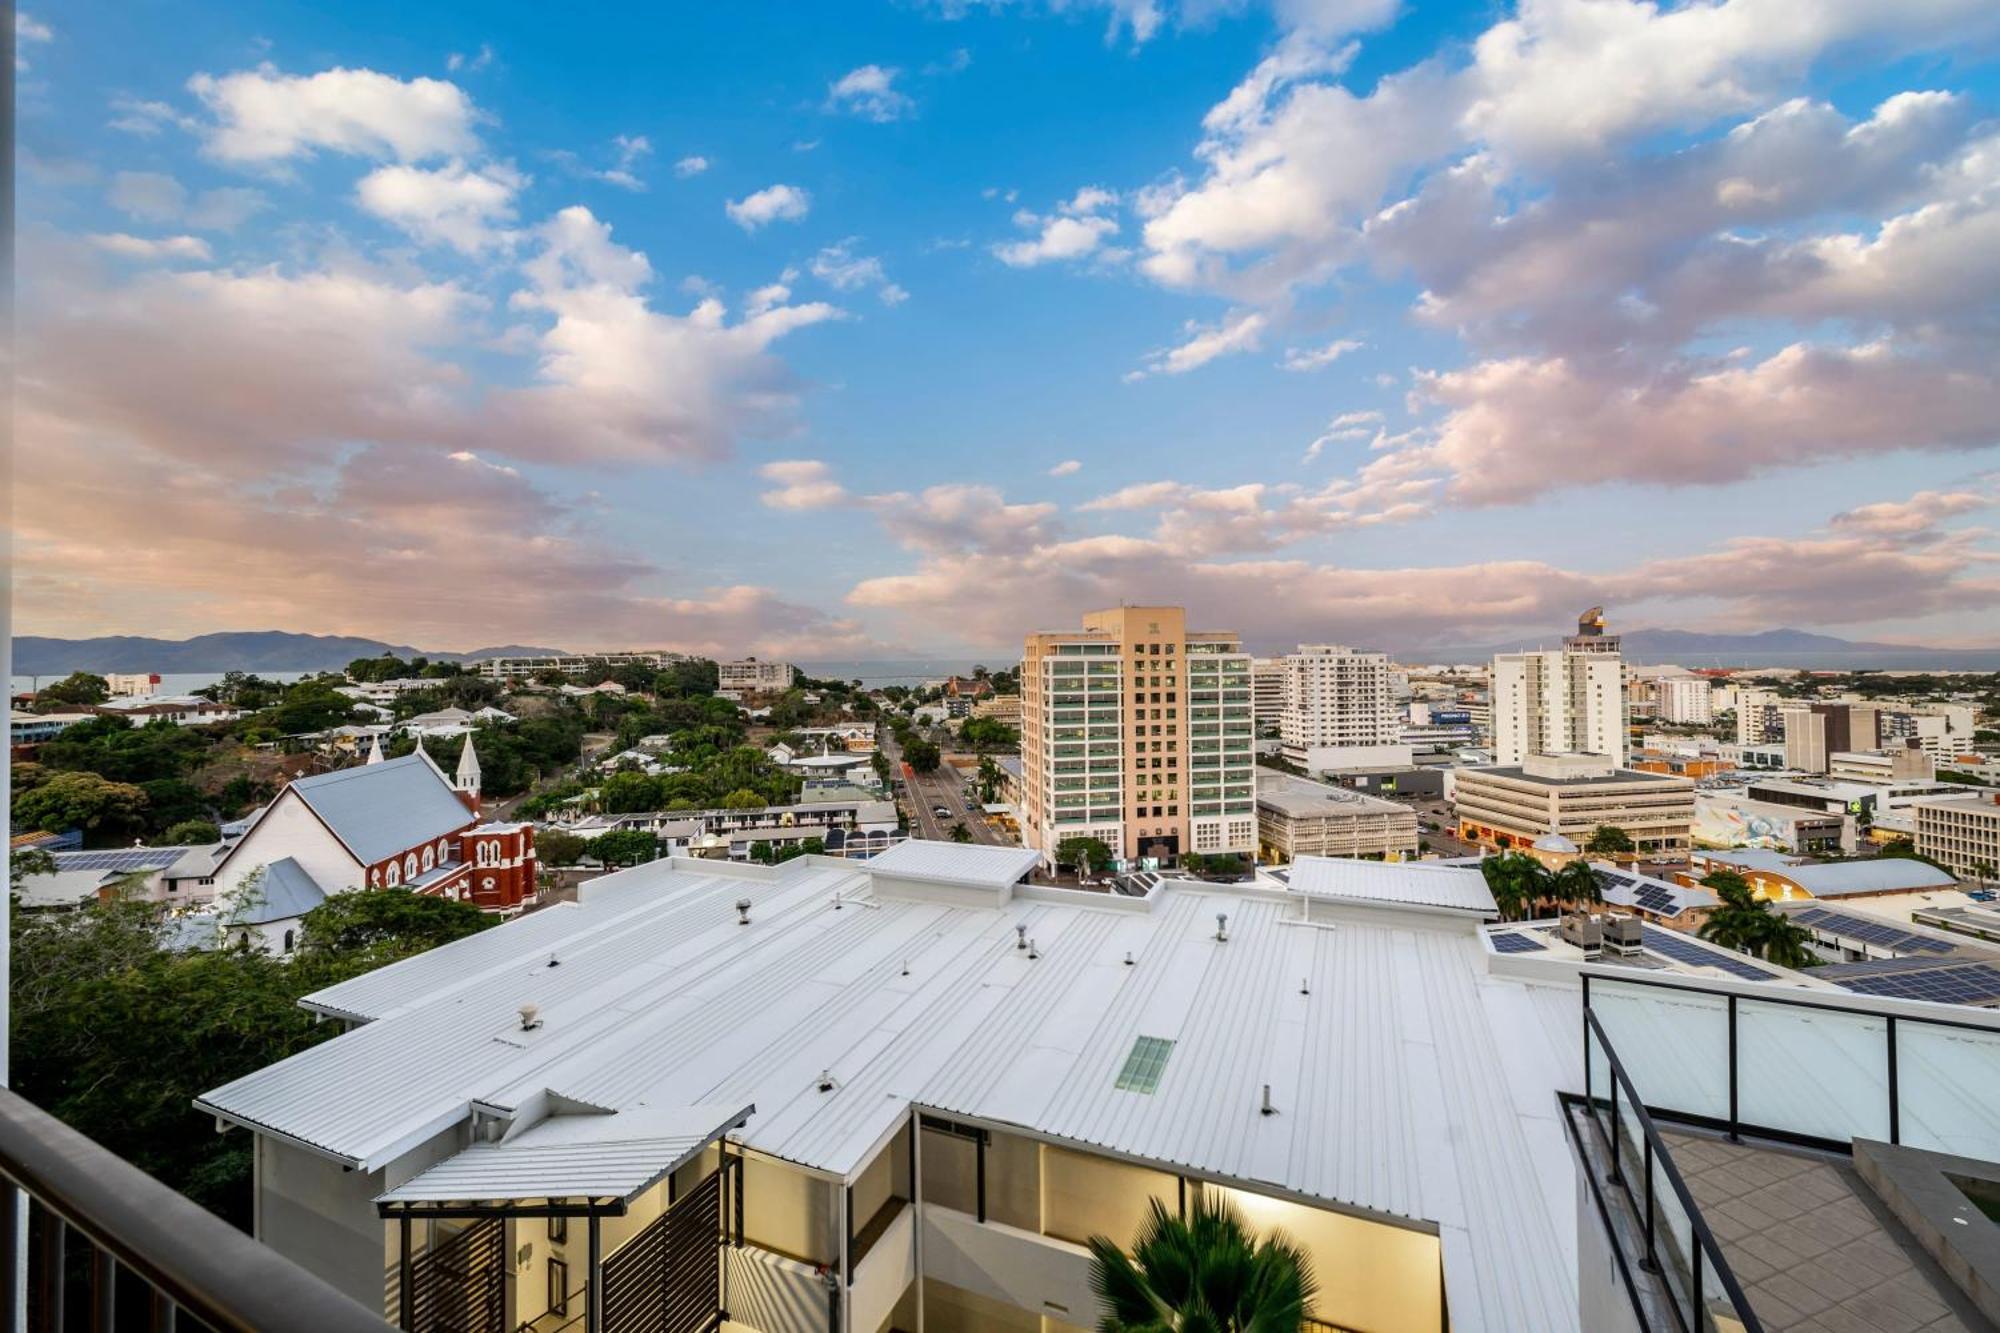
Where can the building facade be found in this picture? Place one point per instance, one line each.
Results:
(1510, 806)
(752, 674)
(1139, 732)
(524, 668)
(1684, 699)
(1297, 817)
(1338, 705)
(1963, 834)
(1267, 692)
(1559, 702)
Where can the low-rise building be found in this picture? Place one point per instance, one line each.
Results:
(1728, 817)
(1783, 878)
(132, 684)
(1510, 806)
(1297, 817)
(524, 668)
(34, 728)
(1000, 707)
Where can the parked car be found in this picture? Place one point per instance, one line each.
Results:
(941, 811)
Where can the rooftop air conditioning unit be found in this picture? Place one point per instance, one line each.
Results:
(1623, 935)
(1583, 930)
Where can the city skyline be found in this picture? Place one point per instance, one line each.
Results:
(912, 329)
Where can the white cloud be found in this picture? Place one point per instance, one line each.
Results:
(1314, 358)
(153, 196)
(870, 92)
(1077, 229)
(1069, 467)
(773, 203)
(842, 269)
(151, 247)
(801, 483)
(1347, 426)
(691, 165)
(263, 116)
(468, 209)
(631, 148)
(458, 62)
(1239, 332)
(29, 31)
(145, 118)
(1917, 516)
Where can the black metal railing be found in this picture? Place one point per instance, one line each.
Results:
(1891, 1117)
(100, 1237)
(1676, 1245)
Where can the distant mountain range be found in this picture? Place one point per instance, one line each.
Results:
(259, 650)
(1771, 647)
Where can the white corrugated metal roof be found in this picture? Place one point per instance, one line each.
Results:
(1407, 1082)
(573, 1156)
(1392, 883)
(957, 863)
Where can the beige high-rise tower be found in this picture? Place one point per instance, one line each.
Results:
(1138, 731)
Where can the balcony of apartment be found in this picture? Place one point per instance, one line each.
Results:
(1769, 1163)
(90, 1241)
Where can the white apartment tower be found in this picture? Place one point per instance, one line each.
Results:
(1337, 703)
(1684, 699)
(1563, 701)
(1267, 690)
(1139, 732)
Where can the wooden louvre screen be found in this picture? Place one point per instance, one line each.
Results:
(459, 1283)
(668, 1278)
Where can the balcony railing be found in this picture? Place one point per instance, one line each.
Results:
(1672, 1241)
(98, 1234)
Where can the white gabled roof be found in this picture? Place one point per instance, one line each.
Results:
(1408, 1083)
(573, 1156)
(1393, 883)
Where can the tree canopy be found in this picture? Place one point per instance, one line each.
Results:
(1202, 1272)
(103, 810)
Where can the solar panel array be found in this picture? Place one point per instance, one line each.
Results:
(1514, 943)
(1874, 932)
(1649, 895)
(1960, 983)
(1684, 950)
(121, 860)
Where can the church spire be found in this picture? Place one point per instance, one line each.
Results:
(468, 769)
(375, 748)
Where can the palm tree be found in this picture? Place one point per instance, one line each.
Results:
(1784, 942)
(960, 833)
(1200, 1273)
(1504, 883)
(1736, 922)
(1575, 885)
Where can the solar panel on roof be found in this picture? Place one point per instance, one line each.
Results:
(1512, 943)
(1881, 933)
(120, 860)
(1683, 950)
(1144, 1065)
(1969, 983)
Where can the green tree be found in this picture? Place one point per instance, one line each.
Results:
(960, 833)
(624, 847)
(922, 756)
(1575, 885)
(398, 920)
(1518, 883)
(191, 833)
(386, 667)
(100, 808)
(1084, 853)
(628, 793)
(743, 798)
(77, 689)
(1609, 840)
(1204, 1273)
(554, 847)
(986, 733)
(1742, 921)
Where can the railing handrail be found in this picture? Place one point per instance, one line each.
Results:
(224, 1277)
(1659, 1155)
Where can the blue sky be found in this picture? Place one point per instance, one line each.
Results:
(835, 330)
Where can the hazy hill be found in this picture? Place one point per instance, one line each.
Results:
(257, 650)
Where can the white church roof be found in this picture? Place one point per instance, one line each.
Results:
(378, 810)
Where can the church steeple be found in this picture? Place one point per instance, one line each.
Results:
(375, 748)
(468, 769)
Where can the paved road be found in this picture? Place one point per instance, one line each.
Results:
(927, 791)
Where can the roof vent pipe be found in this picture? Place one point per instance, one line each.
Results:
(1128, 958)
(1267, 1108)
(826, 1080)
(531, 1017)
(1222, 925)
(1032, 953)
(742, 911)
(1021, 936)
(1304, 988)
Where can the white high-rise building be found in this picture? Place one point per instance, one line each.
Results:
(1340, 709)
(1569, 700)
(1267, 690)
(1684, 699)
